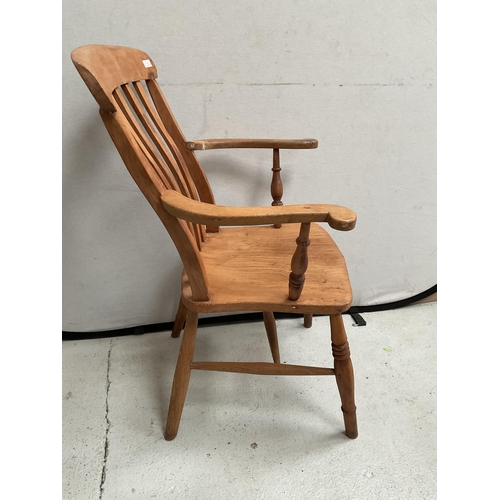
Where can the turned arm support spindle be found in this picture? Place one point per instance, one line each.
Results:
(299, 263)
(276, 184)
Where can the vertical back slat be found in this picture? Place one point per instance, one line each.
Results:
(171, 155)
(168, 119)
(152, 155)
(149, 129)
(148, 104)
(161, 168)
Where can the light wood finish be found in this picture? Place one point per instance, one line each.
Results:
(165, 167)
(261, 368)
(248, 269)
(300, 261)
(335, 216)
(344, 374)
(230, 269)
(180, 319)
(197, 173)
(276, 184)
(104, 68)
(181, 376)
(206, 144)
(149, 182)
(272, 335)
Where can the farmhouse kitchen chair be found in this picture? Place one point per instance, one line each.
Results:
(259, 263)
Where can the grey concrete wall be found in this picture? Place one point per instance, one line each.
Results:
(359, 76)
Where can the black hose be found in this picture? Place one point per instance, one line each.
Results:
(239, 318)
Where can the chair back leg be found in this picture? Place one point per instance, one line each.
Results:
(272, 335)
(308, 320)
(181, 376)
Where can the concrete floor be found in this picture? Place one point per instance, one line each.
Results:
(254, 437)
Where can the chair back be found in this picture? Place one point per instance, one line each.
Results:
(149, 141)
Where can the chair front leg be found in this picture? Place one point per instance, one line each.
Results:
(181, 376)
(344, 374)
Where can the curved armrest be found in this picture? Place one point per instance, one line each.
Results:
(337, 217)
(252, 143)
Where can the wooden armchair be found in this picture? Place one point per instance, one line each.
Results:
(259, 264)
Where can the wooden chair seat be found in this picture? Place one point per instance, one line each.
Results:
(248, 268)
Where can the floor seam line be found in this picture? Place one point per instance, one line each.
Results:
(106, 447)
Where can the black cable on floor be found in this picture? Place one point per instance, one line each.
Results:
(240, 318)
(354, 311)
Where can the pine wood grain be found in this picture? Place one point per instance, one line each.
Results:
(207, 144)
(300, 260)
(337, 217)
(276, 183)
(105, 67)
(344, 374)
(257, 368)
(181, 376)
(248, 270)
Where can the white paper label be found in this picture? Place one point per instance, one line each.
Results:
(147, 63)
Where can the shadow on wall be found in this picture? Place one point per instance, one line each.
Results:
(116, 252)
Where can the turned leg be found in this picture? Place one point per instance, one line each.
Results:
(276, 184)
(272, 335)
(308, 320)
(180, 319)
(181, 376)
(344, 374)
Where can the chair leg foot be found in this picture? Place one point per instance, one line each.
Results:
(180, 320)
(308, 320)
(350, 424)
(170, 436)
(181, 376)
(344, 374)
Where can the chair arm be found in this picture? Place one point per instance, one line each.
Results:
(251, 143)
(337, 217)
